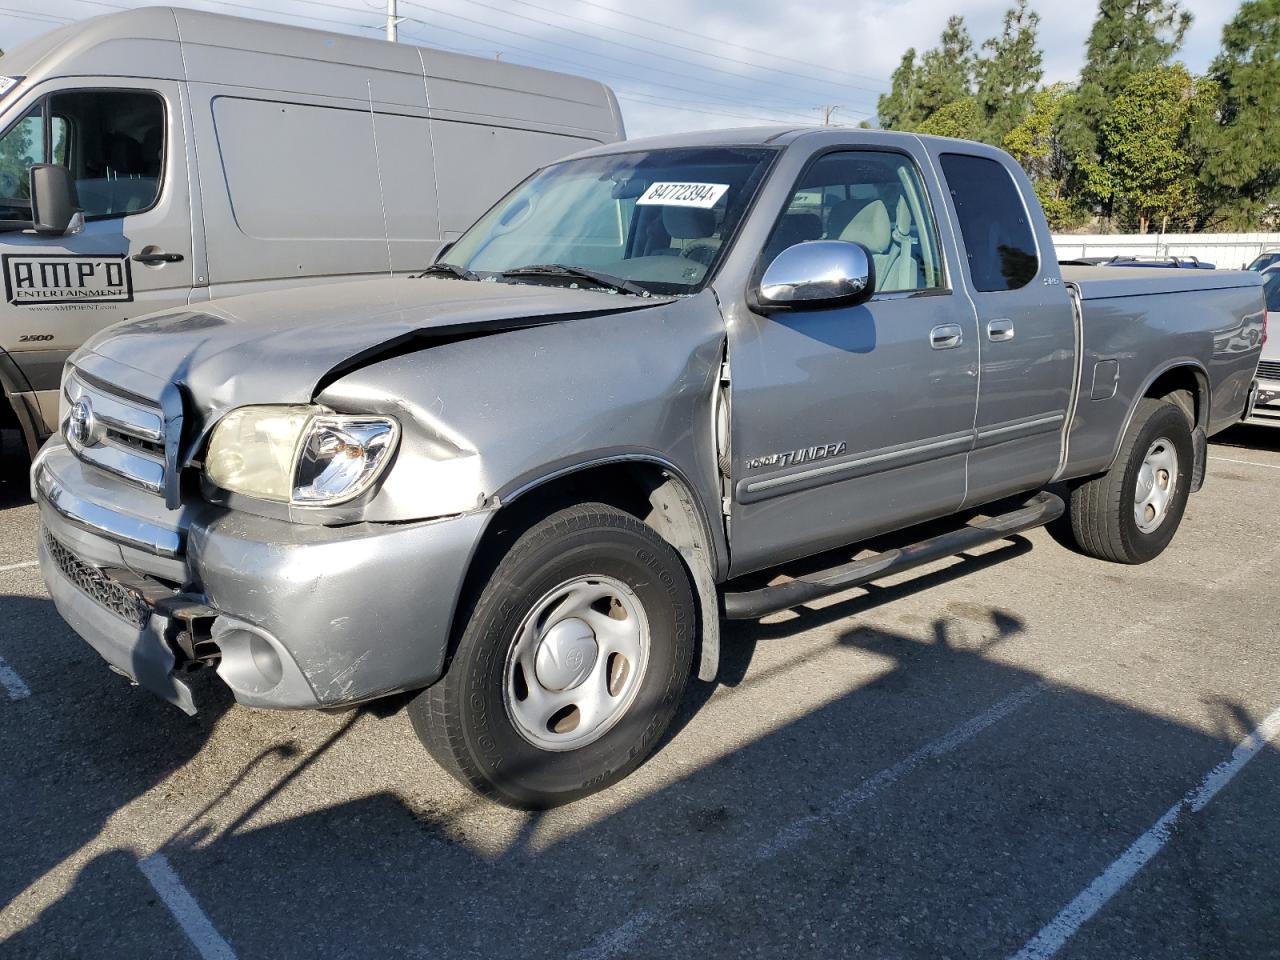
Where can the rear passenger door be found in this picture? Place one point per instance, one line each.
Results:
(1026, 329)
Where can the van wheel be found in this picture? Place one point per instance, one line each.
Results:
(1130, 513)
(572, 663)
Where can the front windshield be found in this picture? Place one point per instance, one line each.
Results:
(660, 219)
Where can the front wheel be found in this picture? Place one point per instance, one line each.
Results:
(572, 663)
(1130, 513)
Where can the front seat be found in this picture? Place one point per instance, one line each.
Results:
(691, 223)
(890, 243)
(871, 228)
(793, 228)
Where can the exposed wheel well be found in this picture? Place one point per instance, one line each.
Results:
(1185, 387)
(645, 490)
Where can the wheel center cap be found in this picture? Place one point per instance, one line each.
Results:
(567, 655)
(1146, 481)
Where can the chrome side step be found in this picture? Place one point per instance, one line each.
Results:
(1041, 509)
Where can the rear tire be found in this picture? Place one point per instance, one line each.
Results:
(570, 666)
(1130, 513)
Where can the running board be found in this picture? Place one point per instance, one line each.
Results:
(1041, 509)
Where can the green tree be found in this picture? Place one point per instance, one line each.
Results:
(1036, 145)
(1007, 76)
(961, 119)
(1148, 170)
(1128, 37)
(899, 109)
(946, 71)
(1239, 133)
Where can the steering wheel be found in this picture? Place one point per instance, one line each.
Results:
(702, 253)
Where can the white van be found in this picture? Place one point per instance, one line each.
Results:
(212, 155)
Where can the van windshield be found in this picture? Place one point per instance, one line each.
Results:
(659, 220)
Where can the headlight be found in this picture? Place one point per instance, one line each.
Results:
(300, 454)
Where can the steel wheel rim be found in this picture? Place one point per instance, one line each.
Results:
(576, 663)
(1157, 483)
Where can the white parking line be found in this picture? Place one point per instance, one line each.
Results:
(194, 922)
(13, 684)
(620, 940)
(20, 566)
(1111, 881)
(1249, 463)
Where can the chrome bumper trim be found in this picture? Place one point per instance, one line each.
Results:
(106, 523)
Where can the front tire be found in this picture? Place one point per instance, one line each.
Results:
(1130, 513)
(571, 665)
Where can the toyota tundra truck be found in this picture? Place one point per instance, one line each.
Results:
(528, 484)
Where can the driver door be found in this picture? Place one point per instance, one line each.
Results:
(123, 142)
(850, 421)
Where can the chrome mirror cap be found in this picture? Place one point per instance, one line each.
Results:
(816, 274)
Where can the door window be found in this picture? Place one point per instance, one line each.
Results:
(993, 221)
(112, 141)
(113, 146)
(871, 197)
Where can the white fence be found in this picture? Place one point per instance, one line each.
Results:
(1229, 251)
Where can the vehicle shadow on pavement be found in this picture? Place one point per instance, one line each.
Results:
(82, 746)
(886, 821)
(1248, 436)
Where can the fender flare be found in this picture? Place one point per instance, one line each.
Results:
(703, 558)
(1202, 381)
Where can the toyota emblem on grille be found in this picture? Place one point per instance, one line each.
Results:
(80, 423)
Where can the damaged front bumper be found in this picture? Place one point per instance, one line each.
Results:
(290, 615)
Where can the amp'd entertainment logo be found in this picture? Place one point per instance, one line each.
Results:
(66, 278)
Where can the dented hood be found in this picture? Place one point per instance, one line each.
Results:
(284, 346)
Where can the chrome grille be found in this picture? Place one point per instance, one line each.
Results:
(120, 434)
(116, 597)
(1269, 370)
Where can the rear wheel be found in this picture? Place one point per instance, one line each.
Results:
(571, 665)
(1130, 513)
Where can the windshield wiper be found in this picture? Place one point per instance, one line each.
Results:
(566, 270)
(447, 270)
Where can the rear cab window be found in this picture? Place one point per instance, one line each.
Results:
(999, 242)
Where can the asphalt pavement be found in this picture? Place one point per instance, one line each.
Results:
(1020, 752)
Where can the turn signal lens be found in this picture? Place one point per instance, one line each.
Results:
(341, 457)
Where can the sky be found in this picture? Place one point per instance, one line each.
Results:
(678, 65)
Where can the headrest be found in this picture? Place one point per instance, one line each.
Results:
(870, 227)
(688, 223)
(842, 211)
(125, 154)
(902, 225)
(799, 227)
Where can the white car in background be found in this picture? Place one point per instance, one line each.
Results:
(1267, 409)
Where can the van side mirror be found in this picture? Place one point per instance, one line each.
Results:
(817, 274)
(55, 208)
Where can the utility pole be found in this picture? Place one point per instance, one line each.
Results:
(393, 22)
(827, 111)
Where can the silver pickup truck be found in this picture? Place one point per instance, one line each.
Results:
(529, 482)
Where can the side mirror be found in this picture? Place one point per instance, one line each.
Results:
(55, 208)
(817, 274)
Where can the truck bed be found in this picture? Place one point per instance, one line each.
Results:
(1104, 283)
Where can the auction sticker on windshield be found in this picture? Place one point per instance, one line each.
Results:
(702, 195)
(6, 84)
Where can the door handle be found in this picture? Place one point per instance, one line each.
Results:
(151, 259)
(1001, 329)
(946, 336)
